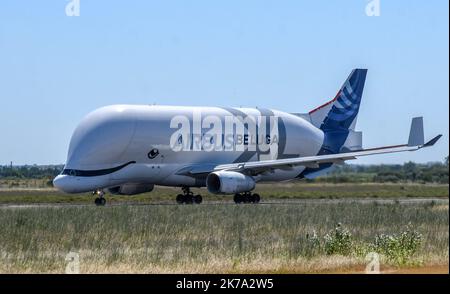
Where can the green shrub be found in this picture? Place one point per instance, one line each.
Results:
(338, 241)
(399, 248)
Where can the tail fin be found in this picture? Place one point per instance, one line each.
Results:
(341, 112)
(337, 118)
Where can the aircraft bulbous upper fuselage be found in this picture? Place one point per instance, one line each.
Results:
(155, 142)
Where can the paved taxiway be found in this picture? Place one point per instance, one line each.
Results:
(403, 201)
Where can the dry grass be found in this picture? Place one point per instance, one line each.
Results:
(207, 239)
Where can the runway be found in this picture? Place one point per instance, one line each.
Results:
(399, 201)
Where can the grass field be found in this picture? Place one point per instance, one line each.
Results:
(282, 236)
(272, 191)
(220, 238)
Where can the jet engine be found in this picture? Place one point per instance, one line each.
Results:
(131, 189)
(229, 182)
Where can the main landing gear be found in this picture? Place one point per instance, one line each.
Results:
(247, 197)
(100, 200)
(188, 197)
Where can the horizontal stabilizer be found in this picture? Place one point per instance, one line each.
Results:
(432, 141)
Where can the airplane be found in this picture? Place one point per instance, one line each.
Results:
(128, 149)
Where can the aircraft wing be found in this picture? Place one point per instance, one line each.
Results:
(415, 142)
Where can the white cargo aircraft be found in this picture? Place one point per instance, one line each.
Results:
(127, 149)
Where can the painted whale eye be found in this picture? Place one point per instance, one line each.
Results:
(153, 153)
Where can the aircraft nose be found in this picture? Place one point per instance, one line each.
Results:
(72, 184)
(61, 183)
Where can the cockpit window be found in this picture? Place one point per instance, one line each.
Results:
(69, 172)
(93, 173)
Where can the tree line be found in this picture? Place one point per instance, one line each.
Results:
(30, 171)
(436, 172)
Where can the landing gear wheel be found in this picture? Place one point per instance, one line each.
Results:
(246, 198)
(188, 197)
(198, 199)
(100, 200)
(180, 198)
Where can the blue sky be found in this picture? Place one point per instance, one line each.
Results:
(286, 55)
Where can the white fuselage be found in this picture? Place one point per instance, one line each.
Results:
(152, 145)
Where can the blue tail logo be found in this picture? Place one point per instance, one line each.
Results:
(341, 117)
(346, 104)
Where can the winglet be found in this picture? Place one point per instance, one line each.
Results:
(416, 136)
(432, 141)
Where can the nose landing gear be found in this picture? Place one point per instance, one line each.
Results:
(100, 200)
(188, 197)
(246, 197)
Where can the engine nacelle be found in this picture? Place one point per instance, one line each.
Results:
(131, 189)
(229, 182)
